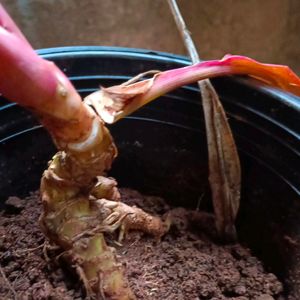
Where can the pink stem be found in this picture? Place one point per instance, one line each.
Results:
(9, 25)
(274, 75)
(39, 85)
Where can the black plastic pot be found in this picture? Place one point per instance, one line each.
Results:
(162, 147)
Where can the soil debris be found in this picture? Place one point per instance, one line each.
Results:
(185, 264)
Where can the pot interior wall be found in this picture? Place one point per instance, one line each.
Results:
(162, 148)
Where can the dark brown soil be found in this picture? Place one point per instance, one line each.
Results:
(186, 264)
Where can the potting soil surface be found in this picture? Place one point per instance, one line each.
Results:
(185, 264)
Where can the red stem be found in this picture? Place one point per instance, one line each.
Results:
(39, 85)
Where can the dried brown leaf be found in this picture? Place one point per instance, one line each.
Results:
(224, 164)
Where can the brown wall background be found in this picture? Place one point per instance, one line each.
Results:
(267, 30)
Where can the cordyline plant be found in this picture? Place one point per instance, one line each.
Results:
(80, 203)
